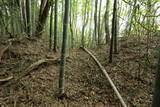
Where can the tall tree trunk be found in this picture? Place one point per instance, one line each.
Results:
(95, 20)
(132, 17)
(34, 15)
(24, 15)
(107, 31)
(75, 22)
(99, 23)
(113, 32)
(51, 28)
(156, 97)
(85, 22)
(5, 19)
(28, 11)
(1, 23)
(55, 26)
(20, 16)
(91, 37)
(12, 21)
(64, 48)
(71, 21)
(44, 10)
(62, 11)
(62, 18)
(3, 28)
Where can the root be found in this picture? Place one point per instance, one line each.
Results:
(28, 71)
(40, 62)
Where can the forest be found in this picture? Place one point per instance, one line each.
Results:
(79, 53)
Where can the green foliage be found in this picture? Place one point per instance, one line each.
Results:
(158, 33)
(51, 2)
(140, 16)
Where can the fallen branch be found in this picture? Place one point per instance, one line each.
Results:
(29, 70)
(6, 79)
(106, 75)
(40, 62)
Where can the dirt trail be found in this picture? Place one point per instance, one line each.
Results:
(132, 72)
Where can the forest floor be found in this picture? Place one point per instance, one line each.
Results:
(132, 71)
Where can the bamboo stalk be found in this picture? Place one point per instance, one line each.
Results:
(107, 76)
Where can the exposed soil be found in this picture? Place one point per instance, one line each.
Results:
(132, 71)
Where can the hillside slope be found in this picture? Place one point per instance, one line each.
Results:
(133, 71)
